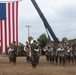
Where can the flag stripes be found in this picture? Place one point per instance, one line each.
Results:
(4, 36)
(16, 22)
(9, 27)
(1, 36)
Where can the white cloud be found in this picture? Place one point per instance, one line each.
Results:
(60, 14)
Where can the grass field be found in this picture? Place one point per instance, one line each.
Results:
(44, 67)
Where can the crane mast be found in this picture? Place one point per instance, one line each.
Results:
(46, 24)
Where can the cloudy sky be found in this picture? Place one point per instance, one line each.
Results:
(60, 14)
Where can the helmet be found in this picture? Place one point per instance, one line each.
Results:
(34, 41)
(14, 41)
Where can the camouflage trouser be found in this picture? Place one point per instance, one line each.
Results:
(35, 59)
(12, 57)
(28, 57)
(50, 56)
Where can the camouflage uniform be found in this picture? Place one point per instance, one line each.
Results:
(34, 53)
(13, 53)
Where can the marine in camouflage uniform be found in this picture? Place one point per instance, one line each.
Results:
(13, 52)
(27, 49)
(34, 53)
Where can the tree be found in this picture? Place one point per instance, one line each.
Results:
(21, 49)
(43, 40)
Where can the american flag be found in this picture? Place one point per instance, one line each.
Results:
(8, 22)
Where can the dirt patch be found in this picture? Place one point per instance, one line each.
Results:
(44, 68)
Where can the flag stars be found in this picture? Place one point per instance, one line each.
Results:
(2, 11)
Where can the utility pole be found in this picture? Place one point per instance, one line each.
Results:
(28, 26)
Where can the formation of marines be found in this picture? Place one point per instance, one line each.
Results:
(62, 53)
